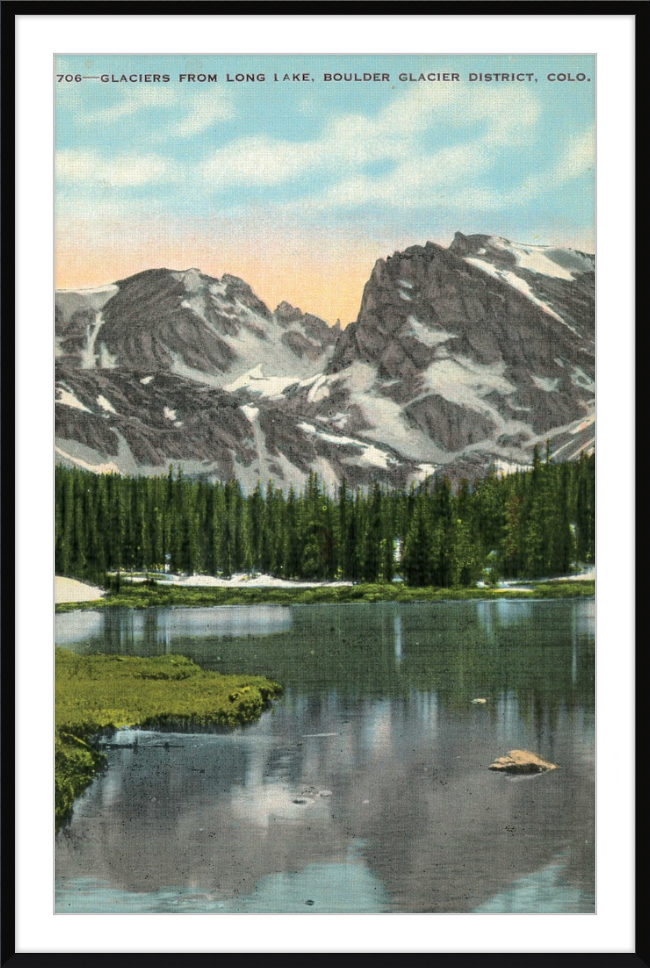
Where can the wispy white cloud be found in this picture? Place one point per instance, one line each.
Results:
(205, 111)
(201, 110)
(83, 167)
(349, 143)
(132, 102)
(256, 161)
(577, 158)
(400, 157)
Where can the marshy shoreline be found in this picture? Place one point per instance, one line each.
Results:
(99, 694)
(167, 594)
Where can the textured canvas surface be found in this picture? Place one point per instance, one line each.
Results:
(325, 414)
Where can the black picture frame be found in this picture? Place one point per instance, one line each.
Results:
(8, 955)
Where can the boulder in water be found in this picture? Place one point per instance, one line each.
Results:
(522, 762)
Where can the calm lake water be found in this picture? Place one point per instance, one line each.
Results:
(366, 788)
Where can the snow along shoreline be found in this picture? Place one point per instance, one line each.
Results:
(68, 590)
(236, 581)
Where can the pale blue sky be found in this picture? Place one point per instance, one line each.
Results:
(148, 172)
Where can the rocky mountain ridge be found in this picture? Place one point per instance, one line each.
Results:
(461, 358)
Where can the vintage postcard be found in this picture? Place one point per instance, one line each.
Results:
(325, 483)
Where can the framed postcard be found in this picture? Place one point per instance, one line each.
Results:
(318, 319)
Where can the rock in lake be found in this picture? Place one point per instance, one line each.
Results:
(522, 762)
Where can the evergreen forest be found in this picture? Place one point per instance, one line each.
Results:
(529, 524)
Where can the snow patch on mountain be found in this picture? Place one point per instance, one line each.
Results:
(88, 356)
(466, 383)
(388, 425)
(319, 390)
(383, 418)
(256, 382)
(584, 424)
(503, 467)
(376, 457)
(425, 334)
(424, 471)
(257, 339)
(570, 450)
(545, 383)
(181, 368)
(109, 468)
(105, 359)
(336, 420)
(70, 300)
(106, 404)
(582, 379)
(68, 399)
(541, 259)
(251, 413)
(369, 454)
(197, 304)
(518, 283)
(192, 279)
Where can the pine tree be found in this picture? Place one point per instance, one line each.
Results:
(291, 546)
(373, 537)
(416, 559)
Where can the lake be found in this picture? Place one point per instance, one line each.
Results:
(365, 788)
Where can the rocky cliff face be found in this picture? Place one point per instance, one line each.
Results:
(486, 346)
(212, 330)
(460, 358)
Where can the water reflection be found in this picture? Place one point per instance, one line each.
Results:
(369, 776)
(73, 627)
(152, 631)
(335, 888)
(398, 637)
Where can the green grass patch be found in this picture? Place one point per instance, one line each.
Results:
(163, 595)
(99, 693)
(564, 589)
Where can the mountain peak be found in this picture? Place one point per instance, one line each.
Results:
(286, 313)
(461, 356)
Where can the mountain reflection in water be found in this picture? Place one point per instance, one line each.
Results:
(368, 780)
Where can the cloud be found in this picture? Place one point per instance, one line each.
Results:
(578, 158)
(133, 101)
(259, 160)
(206, 110)
(202, 109)
(430, 147)
(404, 133)
(81, 167)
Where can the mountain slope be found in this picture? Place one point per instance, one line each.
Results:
(211, 330)
(460, 358)
(491, 357)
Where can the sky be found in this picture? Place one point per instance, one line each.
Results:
(298, 186)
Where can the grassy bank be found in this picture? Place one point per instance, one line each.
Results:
(102, 692)
(145, 596)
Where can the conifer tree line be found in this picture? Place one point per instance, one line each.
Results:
(530, 524)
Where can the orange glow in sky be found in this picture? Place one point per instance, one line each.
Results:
(322, 279)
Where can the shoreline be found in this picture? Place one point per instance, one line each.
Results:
(70, 591)
(99, 694)
(168, 595)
